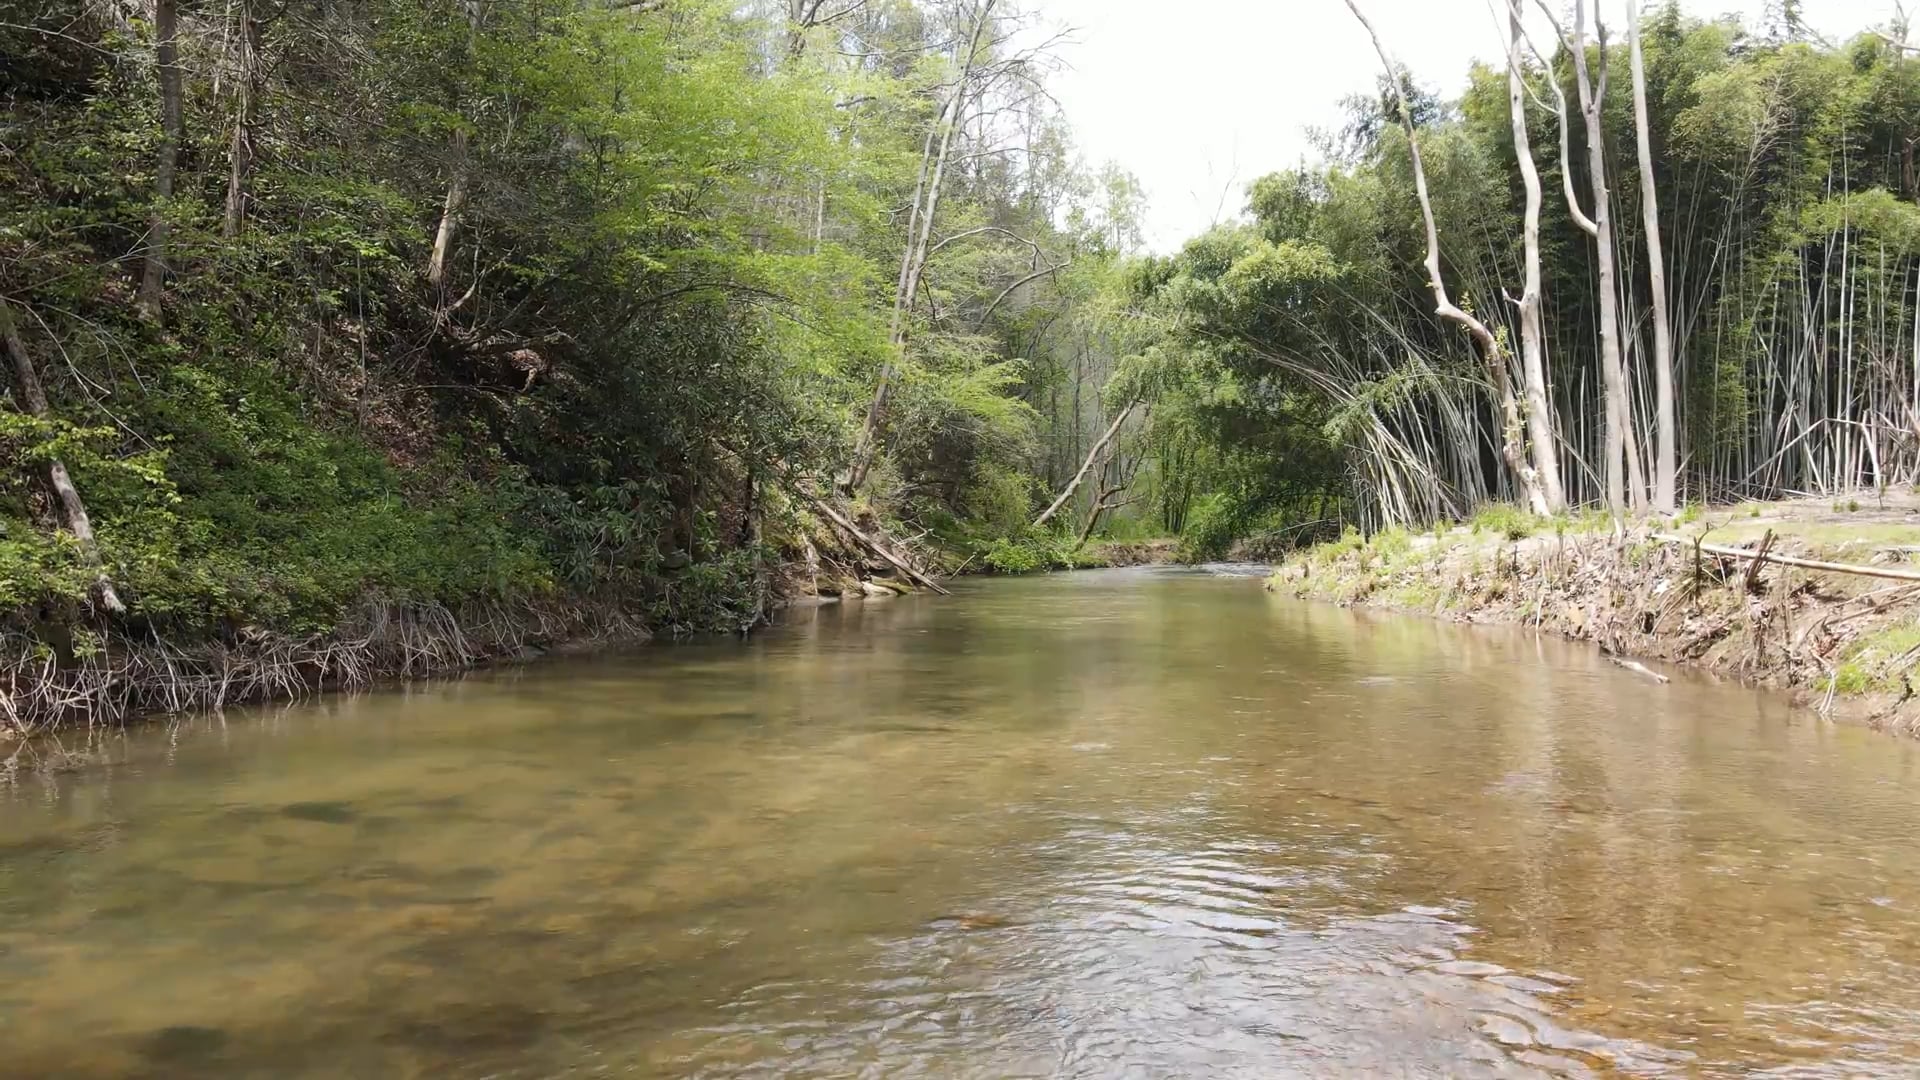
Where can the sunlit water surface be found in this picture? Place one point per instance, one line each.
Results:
(1138, 823)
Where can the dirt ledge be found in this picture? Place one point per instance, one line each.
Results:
(1843, 644)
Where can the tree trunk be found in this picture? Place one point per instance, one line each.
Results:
(33, 397)
(1540, 419)
(1485, 343)
(1085, 467)
(1666, 461)
(457, 187)
(914, 260)
(153, 274)
(1619, 409)
(449, 214)
(240, 156)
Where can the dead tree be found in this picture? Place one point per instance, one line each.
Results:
(1600, 227)
(1086, 467)
(1665, 462)
(33, 399)
(1542, 440)
(1484, 341)
(456, 199)
(240, 154)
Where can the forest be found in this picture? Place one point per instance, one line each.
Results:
(352, 338)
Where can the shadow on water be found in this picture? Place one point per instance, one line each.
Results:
(1076, 825)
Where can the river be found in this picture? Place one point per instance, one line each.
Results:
(1145, 822)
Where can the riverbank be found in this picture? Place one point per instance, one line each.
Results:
(103, 677)
(118, 678)
(1845, 644)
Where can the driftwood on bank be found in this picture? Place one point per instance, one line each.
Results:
(1763, 553)
(1636, 667)
(847, 526)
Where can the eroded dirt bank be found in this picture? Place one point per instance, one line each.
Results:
(1845, 643)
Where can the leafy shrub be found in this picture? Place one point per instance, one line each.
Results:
(1033, 550)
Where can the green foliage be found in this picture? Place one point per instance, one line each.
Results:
(668, 289)
(1505, 520)
(1031, 551)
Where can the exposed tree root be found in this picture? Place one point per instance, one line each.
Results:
(124, 677)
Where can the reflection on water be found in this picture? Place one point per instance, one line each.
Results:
(1086, 825)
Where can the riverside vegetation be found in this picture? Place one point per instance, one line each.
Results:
(379, 338)
(375, 338)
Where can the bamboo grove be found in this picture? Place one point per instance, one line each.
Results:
(1630, 267)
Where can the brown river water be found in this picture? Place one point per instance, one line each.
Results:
(1121, 823)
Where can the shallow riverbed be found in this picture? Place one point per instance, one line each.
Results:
(1142, 822)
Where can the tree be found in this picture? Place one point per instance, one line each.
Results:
(247, 45)
(33, 399)
(166, 58)
(1526, 480)
(1665, 456)
(1618, 410)
(913, 258)
(1541, 430)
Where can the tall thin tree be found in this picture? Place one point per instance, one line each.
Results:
(166, 57)
(1665, 454)
(913, 260)
(1485, 343)
(1612, 369)
(240, 154)
(1541, 430)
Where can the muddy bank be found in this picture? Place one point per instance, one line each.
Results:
(1844, 644)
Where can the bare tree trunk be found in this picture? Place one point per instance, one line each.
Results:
(449, 213)
(1540, 418)
(1488, 346)
(1122, 479)
(1085, 467)
(240, 156)
(153, 274)
(1613, 372)
(33, 397)
(1665, 454)
(457, 187)
(913, 261)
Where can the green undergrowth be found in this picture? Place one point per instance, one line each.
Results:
(1881, 662)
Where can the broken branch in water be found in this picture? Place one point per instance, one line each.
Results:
(1635, 666)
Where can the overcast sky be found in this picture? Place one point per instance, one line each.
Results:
(1199, 97)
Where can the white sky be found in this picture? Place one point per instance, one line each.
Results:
(1198, 98)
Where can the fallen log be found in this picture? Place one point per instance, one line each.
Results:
(1887, 572)
(820, 507)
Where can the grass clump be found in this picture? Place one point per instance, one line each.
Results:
(1505, 519)
(1334, 550)
(1878, 662)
